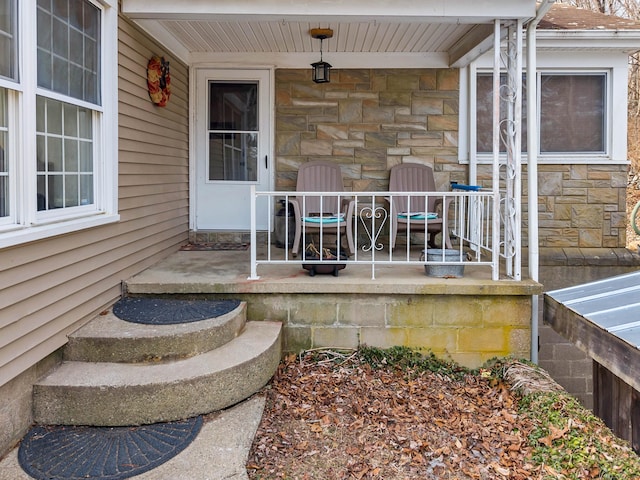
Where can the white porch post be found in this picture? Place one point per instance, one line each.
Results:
(532, 178)
(513, 194)
(507, 207)
(532, 165)
(254, 255)
(495, 185)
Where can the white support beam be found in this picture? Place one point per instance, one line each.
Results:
(459, 11)
(476, 42)
(338, 60)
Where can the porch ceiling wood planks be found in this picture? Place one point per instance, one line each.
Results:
(601, 318)
(360, 26)
(289, 37)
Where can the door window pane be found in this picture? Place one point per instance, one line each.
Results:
(233, 131)
(572, 113)
(233, 106)
(233, 156)
(64, 156)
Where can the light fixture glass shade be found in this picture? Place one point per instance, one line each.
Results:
(321, 72)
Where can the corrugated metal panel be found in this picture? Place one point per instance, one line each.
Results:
(612, 304)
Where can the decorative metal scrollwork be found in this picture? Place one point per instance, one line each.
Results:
(378, 217)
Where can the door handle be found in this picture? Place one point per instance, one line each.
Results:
(266, 161)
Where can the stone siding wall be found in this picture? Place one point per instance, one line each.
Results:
(579, 206)
(368, 120)
(582, 206)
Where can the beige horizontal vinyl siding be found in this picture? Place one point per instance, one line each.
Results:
(51, 287)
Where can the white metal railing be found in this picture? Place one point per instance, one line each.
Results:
(467, 217)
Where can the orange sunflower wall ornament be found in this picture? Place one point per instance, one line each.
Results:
(159, 80)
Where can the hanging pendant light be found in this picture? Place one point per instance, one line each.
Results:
(321, 69)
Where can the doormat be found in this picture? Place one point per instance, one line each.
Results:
(167, 311)
(208, 247)
(114, 453)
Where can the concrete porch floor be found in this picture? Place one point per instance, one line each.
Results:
(219, 272)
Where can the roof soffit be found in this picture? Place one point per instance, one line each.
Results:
(627, 41)
(436, 11)
(401, 31)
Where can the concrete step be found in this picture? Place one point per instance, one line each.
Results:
(118, 394)
(107, 338)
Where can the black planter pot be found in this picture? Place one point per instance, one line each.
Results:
(330, 264)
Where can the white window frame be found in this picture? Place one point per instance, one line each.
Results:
(25, 223)
(615, 68)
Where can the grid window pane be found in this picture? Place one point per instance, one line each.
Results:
(76, 47)
(5, 207)
(54, 154)
(61, 7)
(4, 167)
(86, 189)
(75, 18)
(60, 74)
(44, 71)
(6, 24)
(41, 153)
(70, 121)
(42, 199)
(85, 157)
(71, 155)
(60, 44)
(85, 128)
(44, 31)
(64, 158)
(8, 42)
(71, 191)
(68, 48)
(55, 192)
(90, 55)
(76, 84)
(54, 117)
(91, 23)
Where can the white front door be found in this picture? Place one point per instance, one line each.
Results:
(232, 146)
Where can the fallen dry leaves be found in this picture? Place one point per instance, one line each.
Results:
(633, 197)
(339, 418)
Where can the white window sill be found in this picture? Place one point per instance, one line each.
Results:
(570, 159)
(19, 235)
